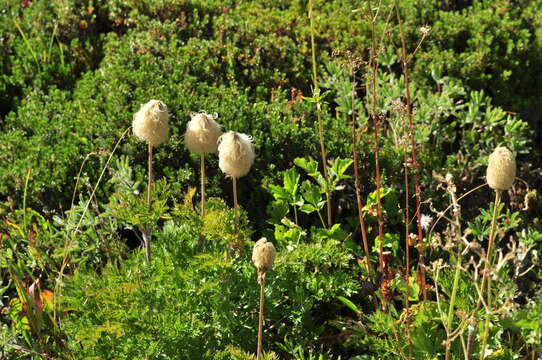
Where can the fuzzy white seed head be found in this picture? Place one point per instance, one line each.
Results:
(202, 133)
(150, 123)
(425, 221)
(235, 154)
(501, 169)
(263, 255)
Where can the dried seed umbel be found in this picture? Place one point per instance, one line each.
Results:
(150, 123)
(501, 169)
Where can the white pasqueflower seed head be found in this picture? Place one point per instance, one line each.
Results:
(150, 123)
(263, 255)
(235, 154)
(202, 133)
(501, 169)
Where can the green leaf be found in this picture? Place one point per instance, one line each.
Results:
(308, 208)
(340, 166)
(312, 194)
(309, 165)
(277, 210)
(291, 180)
(349, 304)
(280, 193)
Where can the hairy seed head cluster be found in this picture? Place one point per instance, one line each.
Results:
(263, 255)
(501, 169)
(202, 133)
(235, 154)
(150, 123)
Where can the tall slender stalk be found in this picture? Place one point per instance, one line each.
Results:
(235, 207)
(148, 230)
(374, 73)
(260, 317)
(407, 265)
(318, 115)
(449, 321)
(202, 178)
(415, 164)
(487, 270)
(358, 191)
(358, 184)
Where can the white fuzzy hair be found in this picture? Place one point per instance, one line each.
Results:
(150, 123)
(263, 255)
(202, 133)
(235, 154)
(501, 169)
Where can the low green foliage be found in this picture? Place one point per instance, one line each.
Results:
(192, 303)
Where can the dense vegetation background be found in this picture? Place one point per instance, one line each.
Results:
(73, 73)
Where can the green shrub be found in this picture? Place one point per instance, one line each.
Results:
(191, 303)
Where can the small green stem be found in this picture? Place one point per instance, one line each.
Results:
(24, 197)
(452, 302)
(321, 219)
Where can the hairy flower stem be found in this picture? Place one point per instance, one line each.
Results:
(358, 192)
(147, 231)
(452, 303)
(415, 164)
(261, 280)
(487, 270)
(407, 265)
(202, 171)
(358, 196)
(318, 115)
(235, 207)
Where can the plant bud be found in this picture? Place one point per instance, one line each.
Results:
(202, 133)
(235, 154)
(150, 123)
(263, 255)
(501, 169)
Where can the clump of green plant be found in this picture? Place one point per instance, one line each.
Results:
(307, 197)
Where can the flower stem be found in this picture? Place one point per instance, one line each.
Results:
(147, 232)
(407, 253)
(487, 270)
(452, 302)
(202, 171)
(235, 207)
(261, 278)
(358, 196)
(318, 115)
(414, 154)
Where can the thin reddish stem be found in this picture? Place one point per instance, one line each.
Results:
(407, 251)
(415, 163)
